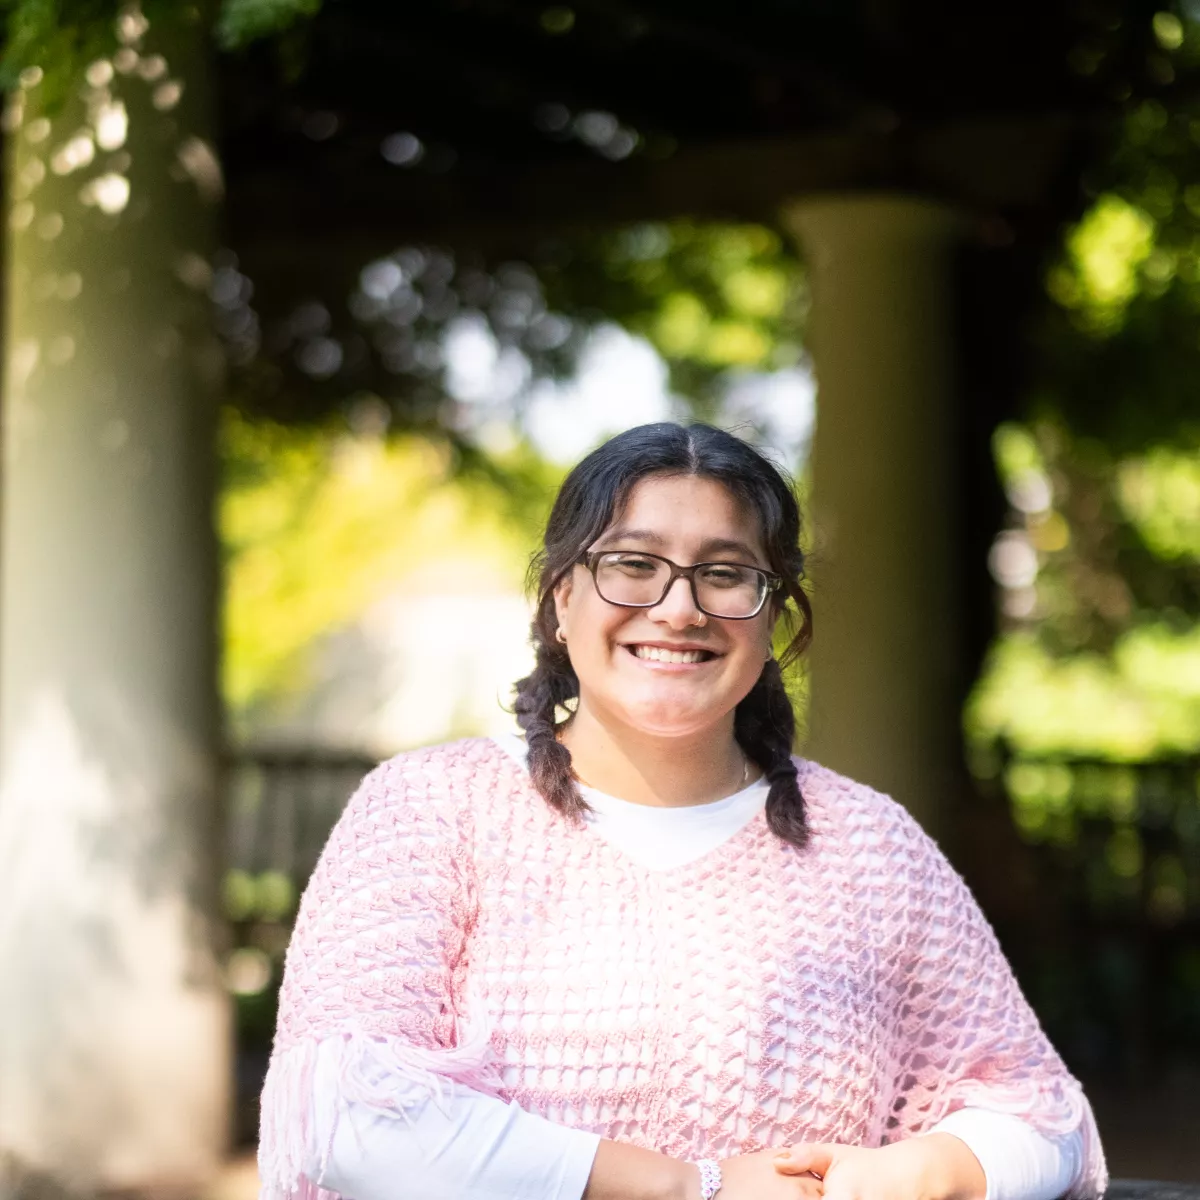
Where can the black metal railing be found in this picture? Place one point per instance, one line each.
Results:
(1112, 963)
(280, 808)
(281, 805)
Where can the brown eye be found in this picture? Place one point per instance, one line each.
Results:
(725, 575)
(629, 564)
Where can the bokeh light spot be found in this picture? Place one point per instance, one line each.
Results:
(132, 25)
(1013, 561)
(1168, 30)
(1123, 853)
(152, 67)
(99, 73)
(200, 162)
(558, 20)
(321, 357)
(379, 280)
(111, 122)
(248, 971)
(78, 152)
(109, 193)
(596, 128)
(167, 95)
(402, 149)
(193, 271)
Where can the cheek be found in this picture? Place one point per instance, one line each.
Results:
(754, 642)
(598, 628)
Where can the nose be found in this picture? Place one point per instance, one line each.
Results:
(677, 609)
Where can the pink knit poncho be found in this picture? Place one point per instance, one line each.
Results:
(457, 928)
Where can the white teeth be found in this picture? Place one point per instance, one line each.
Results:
(658, 654)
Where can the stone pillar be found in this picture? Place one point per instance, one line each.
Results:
(884, 703)
(114, 1022)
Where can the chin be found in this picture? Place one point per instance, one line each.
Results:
(663, 721)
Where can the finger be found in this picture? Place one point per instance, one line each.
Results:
(805, 1157)
(809, 1187)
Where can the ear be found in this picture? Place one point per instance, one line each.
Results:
(562, 598)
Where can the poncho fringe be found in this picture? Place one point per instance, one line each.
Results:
(380, 1072)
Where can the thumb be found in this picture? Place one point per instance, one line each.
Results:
(805, 1157)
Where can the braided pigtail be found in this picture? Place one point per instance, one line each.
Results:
(765, 725)
(539, 695)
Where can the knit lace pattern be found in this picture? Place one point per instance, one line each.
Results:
(459, 931)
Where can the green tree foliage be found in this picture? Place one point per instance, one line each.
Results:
(54, 36)
(241, 22)
(316, 524)
(1104, 479)
(1100, 575)
(1120, 344)
(713, 300)
(60, 37)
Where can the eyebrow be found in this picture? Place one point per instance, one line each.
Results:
(709, 546)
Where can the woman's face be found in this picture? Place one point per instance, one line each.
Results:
(688, 520)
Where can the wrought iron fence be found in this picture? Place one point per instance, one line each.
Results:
(281, 805)
(1113, 962)
(280, 808)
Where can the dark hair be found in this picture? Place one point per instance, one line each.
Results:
(590, 497)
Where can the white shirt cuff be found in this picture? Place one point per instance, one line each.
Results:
(480, 1148)
(1018, 1162)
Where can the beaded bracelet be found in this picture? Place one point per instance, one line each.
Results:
(710, 1178)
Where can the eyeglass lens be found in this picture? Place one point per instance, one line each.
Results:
(722, 589)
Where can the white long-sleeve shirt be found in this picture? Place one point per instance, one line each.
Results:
(477, 1147)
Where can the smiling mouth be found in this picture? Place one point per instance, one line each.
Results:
(659, 654)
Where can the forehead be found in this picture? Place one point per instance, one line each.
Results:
(687, 511)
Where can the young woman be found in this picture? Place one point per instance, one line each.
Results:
(645, 953)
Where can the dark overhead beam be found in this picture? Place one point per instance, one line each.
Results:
(984, 166)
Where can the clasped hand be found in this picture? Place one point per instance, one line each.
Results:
(936, 1167)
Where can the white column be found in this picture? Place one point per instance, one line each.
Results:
(114, 1023)
(884, 700)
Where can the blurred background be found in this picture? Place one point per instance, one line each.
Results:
(309, 308)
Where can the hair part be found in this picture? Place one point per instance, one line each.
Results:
(591, 497)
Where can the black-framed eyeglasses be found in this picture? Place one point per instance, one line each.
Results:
(635, 579)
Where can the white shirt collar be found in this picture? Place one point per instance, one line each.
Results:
(661, 838)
